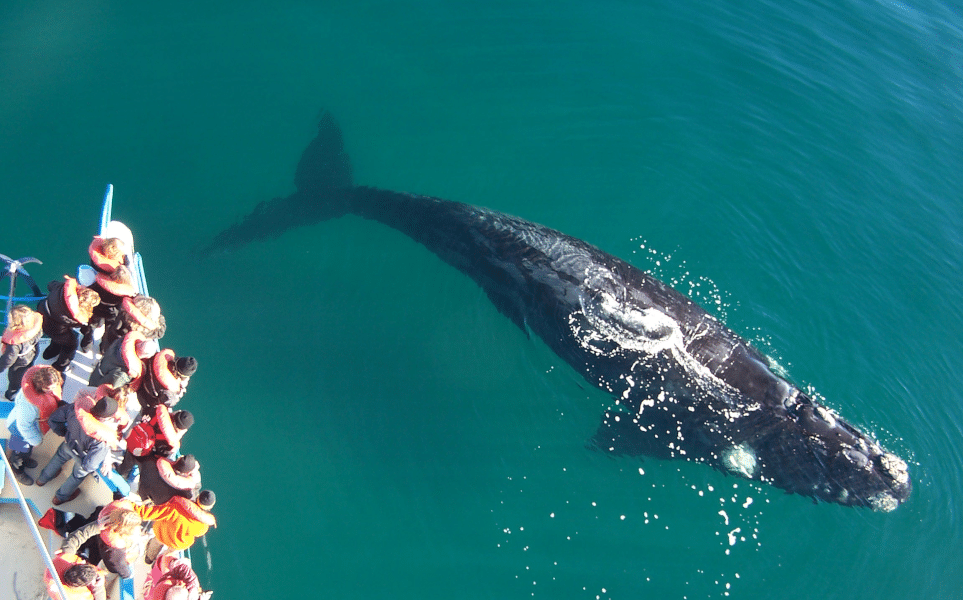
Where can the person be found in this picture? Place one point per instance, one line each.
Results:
(38, 398)
(155, 436)
(177, 522)
(106, 254)
(162, 478)
(18, 346)
(112, 289)
(81, 580)
(170, 573)
(114, 537)
(165, 379)
(138, 313)
(90, 434)
(122, 363)
(68, 306)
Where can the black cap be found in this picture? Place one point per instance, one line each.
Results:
(104, 408)
(185, 464)
(182, 419)
(206, 499)
(185, 366)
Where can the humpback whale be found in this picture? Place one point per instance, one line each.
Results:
(684, 384)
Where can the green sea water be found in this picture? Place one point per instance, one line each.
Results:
(372, 426)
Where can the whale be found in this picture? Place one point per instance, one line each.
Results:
(683, 385)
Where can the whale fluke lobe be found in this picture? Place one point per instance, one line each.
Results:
(322, 179)
(685, 385)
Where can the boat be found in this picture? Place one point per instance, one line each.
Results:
(25, 548)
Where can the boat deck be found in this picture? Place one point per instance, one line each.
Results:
(21, 565)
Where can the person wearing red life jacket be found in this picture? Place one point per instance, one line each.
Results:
(138, 313)
(165, 379)
(81, 580)
(154, 437)
(18, 346)
(177, 522)
(162, 478)
(68, 306)
(122, 363)
(38, 398)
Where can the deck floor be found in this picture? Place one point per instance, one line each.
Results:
(21, 565)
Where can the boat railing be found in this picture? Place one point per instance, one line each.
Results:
(28, 518)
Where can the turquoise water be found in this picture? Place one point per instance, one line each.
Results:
(372, 426)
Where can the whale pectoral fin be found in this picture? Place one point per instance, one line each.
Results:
(508, 307)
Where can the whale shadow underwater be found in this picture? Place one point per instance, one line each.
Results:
(685, 385)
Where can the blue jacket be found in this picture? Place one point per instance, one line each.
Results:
(90, 451)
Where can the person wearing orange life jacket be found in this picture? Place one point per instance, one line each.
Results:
(137, 313)
(68, 306)
(89, 434)
(177, 522)
(18, 346)
(106, 254)
(162, 478)
(81, 580)
(165, 379)
(112, 289)
(37, 399)
(122, 363)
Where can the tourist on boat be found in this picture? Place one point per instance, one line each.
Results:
(37, 399)
(165, 379)
(170, 573)
(140, 313)
(89, 437)
(68, 306)
(162, 478)
(113, 536)
(121, 363)
(112, 288)
(106, 254)
(177, 523)
(81, 580)
(18, 345)
(156, 436)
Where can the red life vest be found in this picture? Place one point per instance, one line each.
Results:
(116, 288)
(98, 259)
(165, 467)
(145, 434)
(13, 337)
(62, 562)
(46, 403)
(72, 301)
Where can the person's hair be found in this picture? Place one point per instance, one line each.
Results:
(149, 308)
(20, 318)
(44, 378)
(87, 299)
(80, 575)
(122, 275)
(113, 248)
(124, 522)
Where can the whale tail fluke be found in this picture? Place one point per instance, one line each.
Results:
(323, 181)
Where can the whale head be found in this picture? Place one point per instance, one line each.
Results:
(816, 454)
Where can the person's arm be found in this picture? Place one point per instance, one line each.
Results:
(9, 356)
(29, 427)
(77, 539)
